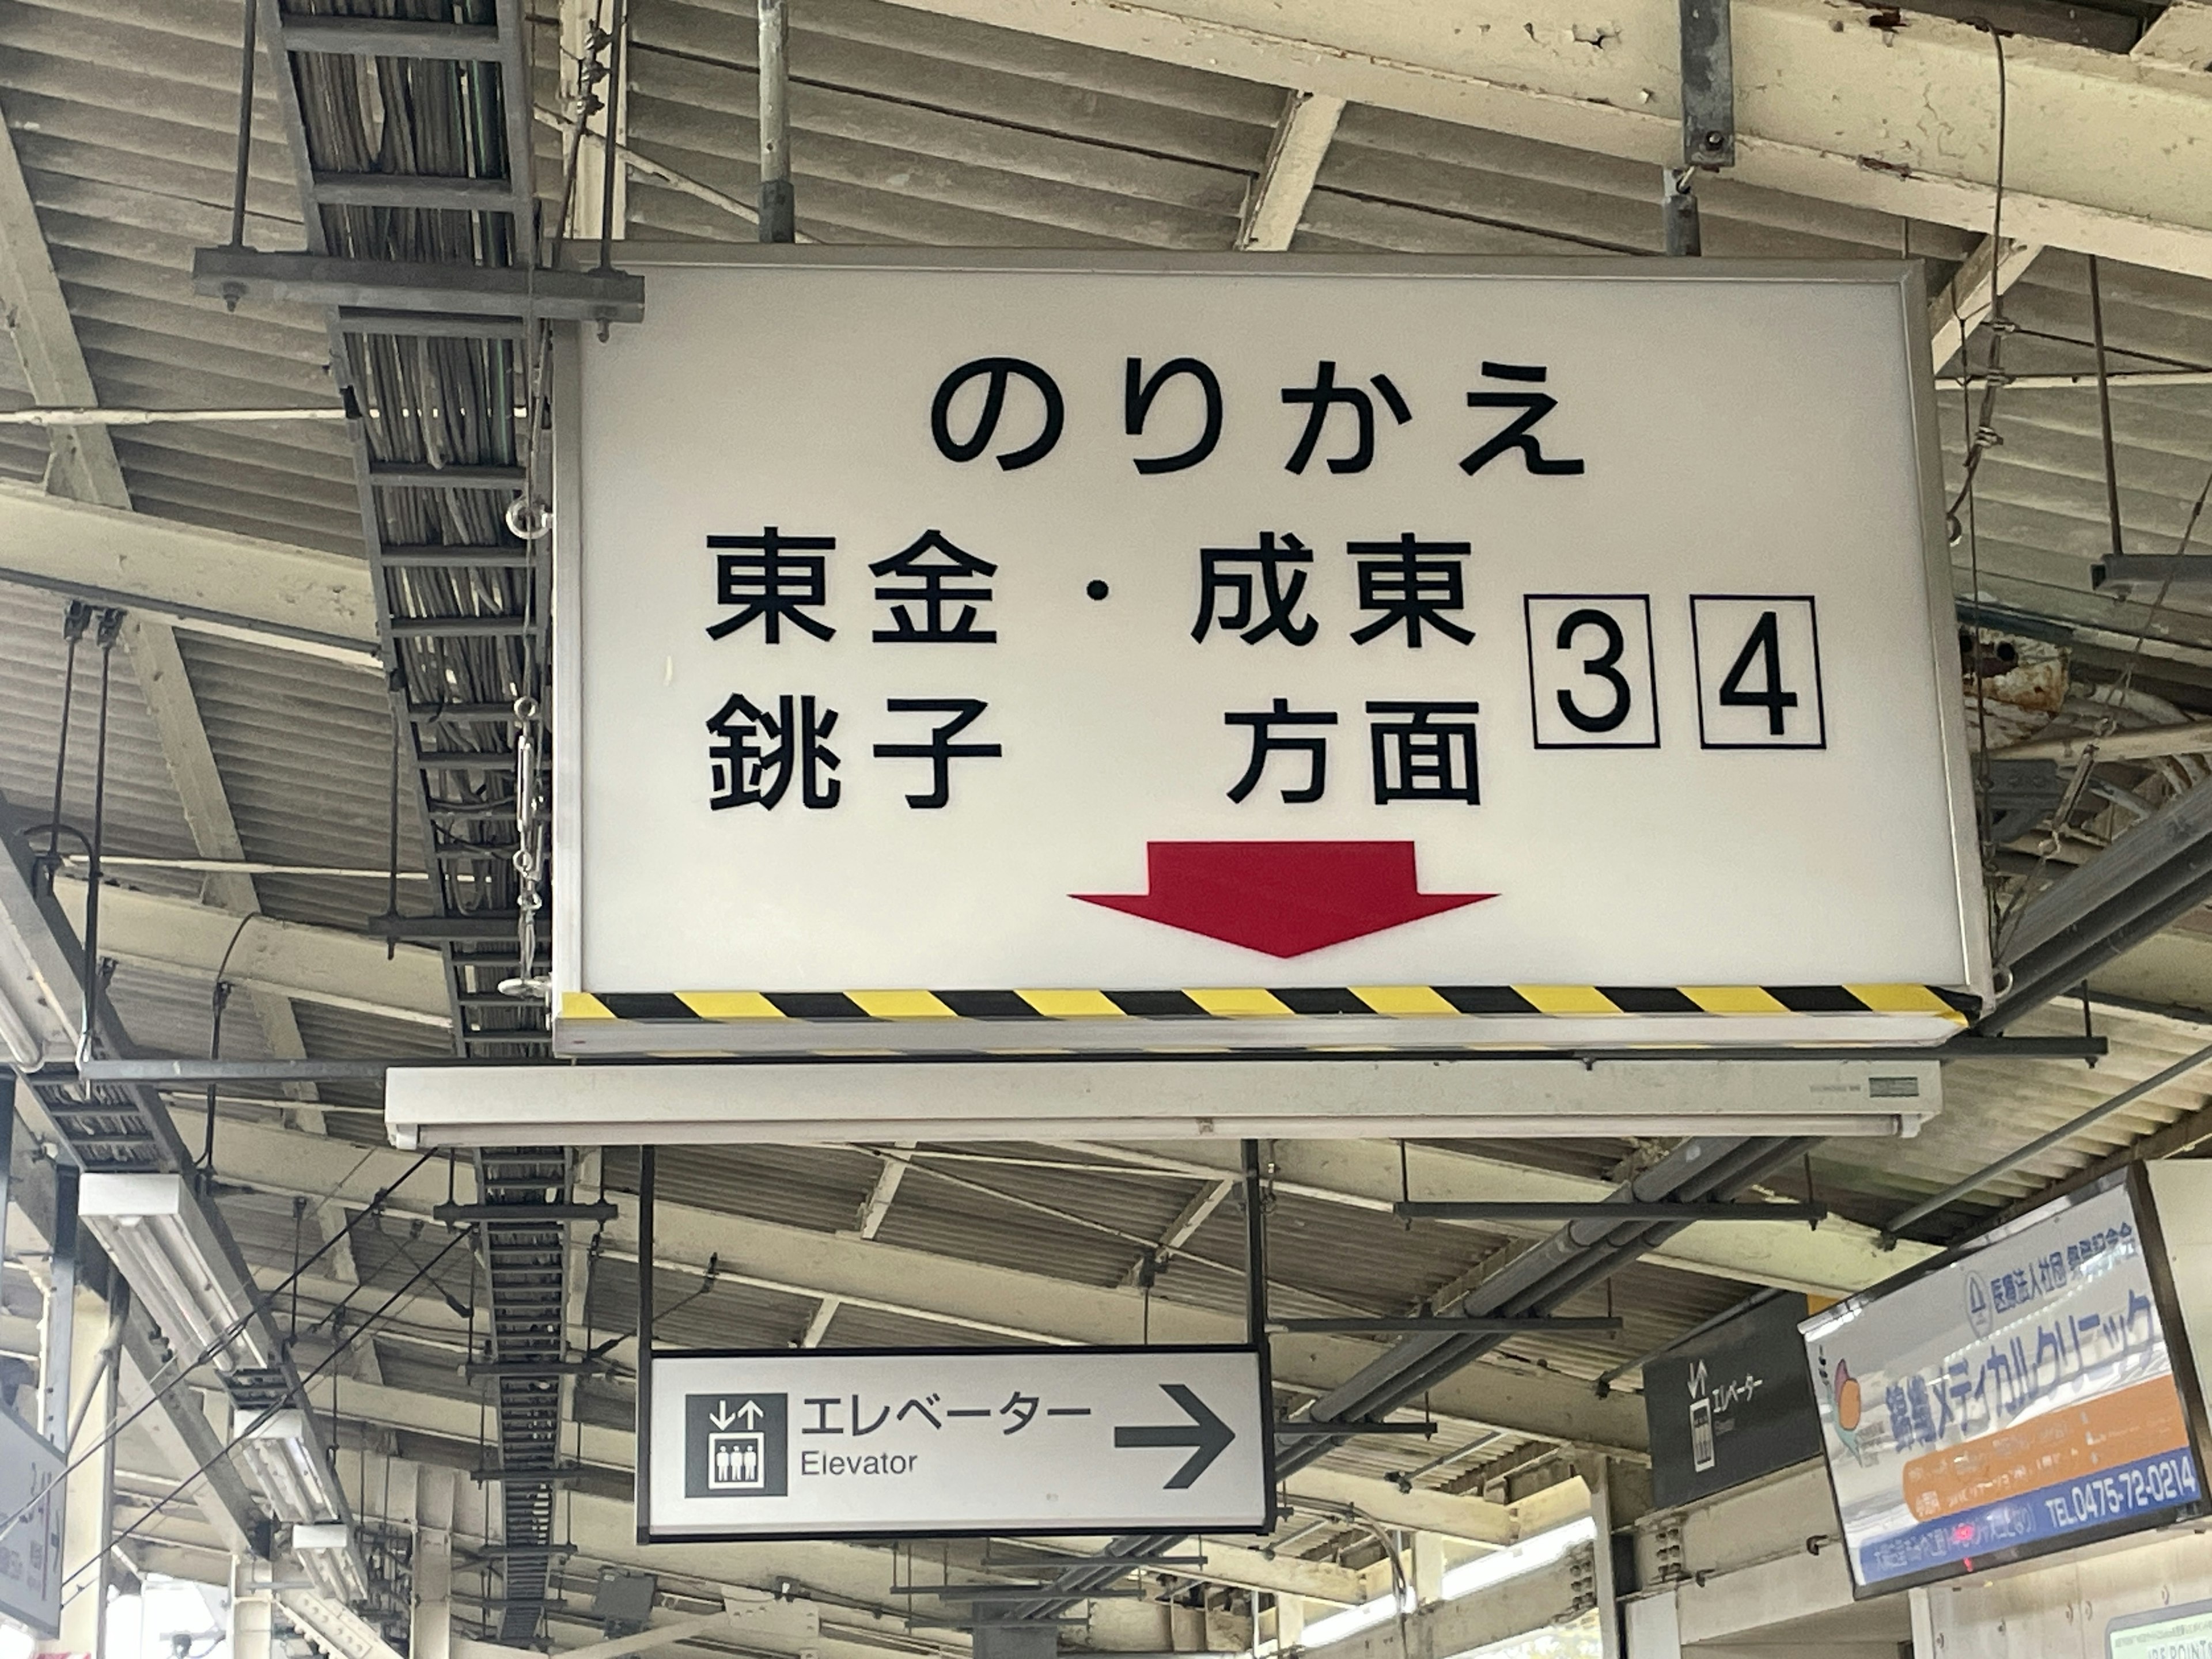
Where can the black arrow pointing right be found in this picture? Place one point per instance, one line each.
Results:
(1207, 1434)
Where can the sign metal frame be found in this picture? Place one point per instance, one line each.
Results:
(646, 1534)
(2186, 1381)
(581, 1027)
(43, 1513)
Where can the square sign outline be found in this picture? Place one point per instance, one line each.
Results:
(641, 1497)
(1651, 664)
(1904, 279)
(1698, 666)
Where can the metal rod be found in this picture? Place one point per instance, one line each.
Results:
(1758, 1298)
(197, 1072)
(523, 1215)
(644, 1440)
(612, 160)
(2105, 410)
(74, 620)
(53, 417)
(778, 205)
(2043, 1143)
(1256, 1306)
(7, 1086)
(1490, 1325)
(1042, 1560)
(111, 624)
(1255, 1248)
(61, 1311)
(1546, 1210)
(1678, 210)
(1348, 1431)
(244, 162)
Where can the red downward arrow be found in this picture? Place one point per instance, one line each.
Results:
(1284, 897)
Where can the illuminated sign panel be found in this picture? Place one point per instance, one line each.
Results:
(1102, 652)
(2016, 1397)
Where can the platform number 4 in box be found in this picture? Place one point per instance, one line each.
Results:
(1759, 672)
(1589, 671)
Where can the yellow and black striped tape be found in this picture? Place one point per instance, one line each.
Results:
(1397, 1001)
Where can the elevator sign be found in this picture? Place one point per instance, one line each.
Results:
(1115, 654)
(929, 1442)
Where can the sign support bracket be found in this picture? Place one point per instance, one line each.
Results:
(1707, 118)
(643, 1478)
(1255, 1304)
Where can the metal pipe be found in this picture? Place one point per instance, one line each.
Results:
(1758, 1298)
(61, 1310)
(1534, 1325)
(643, 1478)
(612, 159)
(2043, 1143)
(1685, 238)
(778, 205)
(244, 164)
(2105, 410)
(111, 625)
(1546, 1210)
(73, 416)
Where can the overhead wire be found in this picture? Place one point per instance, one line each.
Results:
(244, 1434)
(217, 1344)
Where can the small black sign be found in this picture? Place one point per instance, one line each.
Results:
(735, 1445)
(1734, 1405)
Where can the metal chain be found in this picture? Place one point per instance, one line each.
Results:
(529, 855)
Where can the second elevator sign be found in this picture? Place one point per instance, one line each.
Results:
(1034, 1440)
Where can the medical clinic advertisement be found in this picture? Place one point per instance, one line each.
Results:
(2016, 1396)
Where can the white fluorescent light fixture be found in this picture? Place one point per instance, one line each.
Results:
(1531, 1555)
(36, 986)
(1349, 1622)
(155, 1230)
(153, 1227)
(284, 1456)
(327, 1553)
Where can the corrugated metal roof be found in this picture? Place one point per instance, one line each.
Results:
(125, 123)
(916, 128)
(305, 747)
(1990, 1108)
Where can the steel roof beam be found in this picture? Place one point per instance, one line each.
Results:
(294, 959)
(1964, 305)
(1839, 1258)
(82, 466)
(1829, 103)
(612, 1450)
(997, 1301)
(1276, 200)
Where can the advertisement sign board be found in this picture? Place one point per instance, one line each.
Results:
(1123, 653)
(2016, 1396)
(878, 1443)
(1734, 1405)
(2183, 1632)
(31, 1549)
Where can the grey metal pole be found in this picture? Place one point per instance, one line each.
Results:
(645, 1250)
(6, 1157)
(778, 206)
(61, 1311)
(2042, 1144)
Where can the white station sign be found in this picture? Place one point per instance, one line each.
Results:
(31, 1509)
(1303, 652)
(878, 1444)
